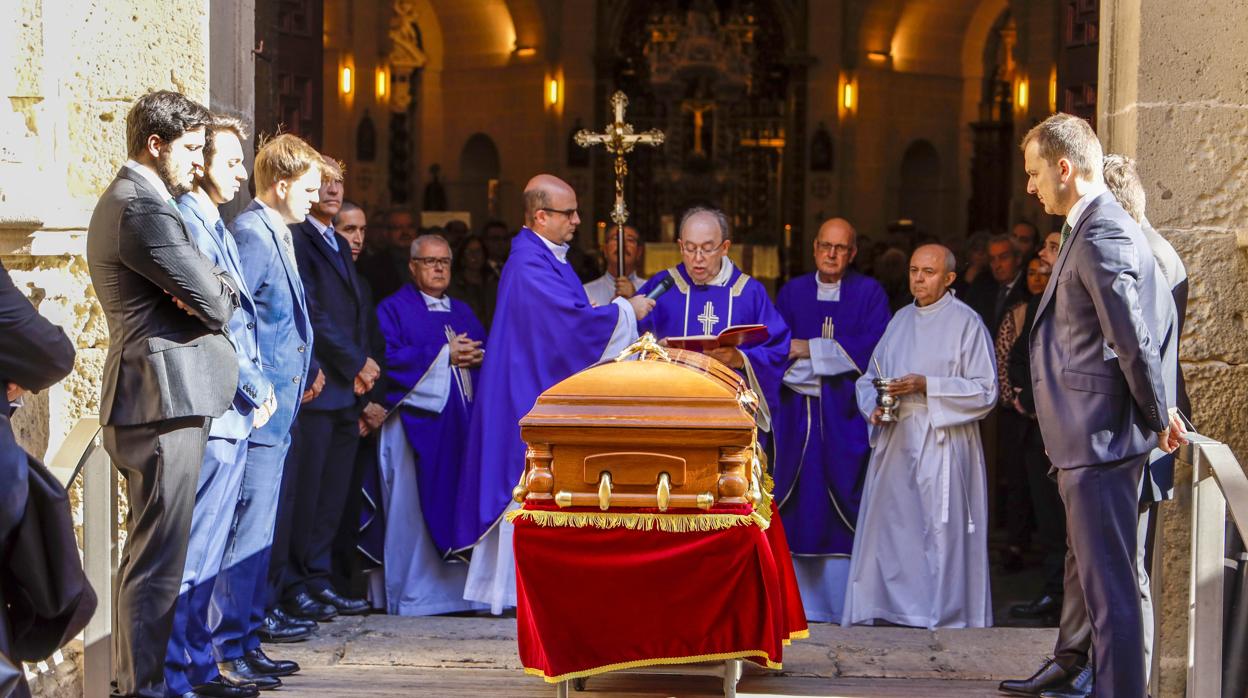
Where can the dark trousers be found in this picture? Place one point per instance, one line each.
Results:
(160, 463)
(1102, 590)
(348, 576)
(1011, 464)
(328, 442)
(1050, 532)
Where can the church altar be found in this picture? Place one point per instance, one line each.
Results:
(646, 535)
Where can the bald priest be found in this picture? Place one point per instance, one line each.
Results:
(544, 330)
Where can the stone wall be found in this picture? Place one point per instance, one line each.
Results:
(1174, 94)
(69, 71)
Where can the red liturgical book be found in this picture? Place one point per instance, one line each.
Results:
(735, 336)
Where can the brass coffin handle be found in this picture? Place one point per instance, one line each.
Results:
(664, 494)
(604, 491)
(563, 499)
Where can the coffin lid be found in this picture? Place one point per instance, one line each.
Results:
(688, 391)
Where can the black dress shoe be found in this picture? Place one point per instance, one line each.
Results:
(1050, 675)
(304, 606)
(291, 620)
(1078, 687)
(221, 688)
(1046, 605)
(274, 630)
(345, 606)
(239, 672)
(261, 663)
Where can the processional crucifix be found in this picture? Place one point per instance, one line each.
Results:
(618, 138)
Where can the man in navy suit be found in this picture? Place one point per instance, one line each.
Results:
(1101, 399)
(287, 178)
(327, 430)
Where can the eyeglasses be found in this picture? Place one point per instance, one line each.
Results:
(569, 212)
(435, 262)
(827, 247)
(706, 249)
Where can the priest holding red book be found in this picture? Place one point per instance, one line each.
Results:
(710, 295)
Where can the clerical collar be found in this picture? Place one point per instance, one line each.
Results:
(151, 177)
(1076, 211)
(721, 279)
(828, 291)
(559, 251)
(938, 305)
(440, 304)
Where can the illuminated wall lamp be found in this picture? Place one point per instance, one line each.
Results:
(344, 81)
(525, 51)
(383, 83)
(848, 95)
(1021, 99)
(552, 92)
(1053, 89)
(878, 56)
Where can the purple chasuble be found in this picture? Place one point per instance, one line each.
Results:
(690, 309)
(821, 442)
(415, 337)
(544, 330)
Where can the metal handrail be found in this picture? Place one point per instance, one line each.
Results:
(82, 455)
(1218, 484)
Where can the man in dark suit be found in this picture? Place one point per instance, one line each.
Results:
(328, 429)
(1101, 399)
(169, 370)
(34, 354)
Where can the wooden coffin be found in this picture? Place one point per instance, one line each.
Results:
(672, 430)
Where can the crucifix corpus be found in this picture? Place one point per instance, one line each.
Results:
(618, 138)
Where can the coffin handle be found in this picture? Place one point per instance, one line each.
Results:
(604, 491)
(664, 494)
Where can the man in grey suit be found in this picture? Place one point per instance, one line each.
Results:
(169, 370)
(1101, 399)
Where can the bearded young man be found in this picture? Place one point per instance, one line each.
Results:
(170, 369)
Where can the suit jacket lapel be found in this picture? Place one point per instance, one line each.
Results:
(340, 260)
(296, 284)
(1065, 252)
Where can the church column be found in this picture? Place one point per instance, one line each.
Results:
(1172, 94)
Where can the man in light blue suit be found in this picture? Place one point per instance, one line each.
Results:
(287, 178)
(189, 663)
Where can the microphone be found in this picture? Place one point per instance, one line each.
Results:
(664, 286)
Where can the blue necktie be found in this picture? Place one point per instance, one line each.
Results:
(330, 238)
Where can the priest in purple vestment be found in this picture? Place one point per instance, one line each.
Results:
(710, 294)
(837, 316)
(433, 351)
(544, 330)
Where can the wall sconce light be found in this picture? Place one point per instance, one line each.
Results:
(344, 80)
(1021, 97)
(878, 56)
(1053, 90)
(849, 95)
(383, 82)
(525, 51)
(552, 92)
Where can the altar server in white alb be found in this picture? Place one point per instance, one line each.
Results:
(921, 552)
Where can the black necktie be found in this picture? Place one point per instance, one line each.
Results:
(1065, 234)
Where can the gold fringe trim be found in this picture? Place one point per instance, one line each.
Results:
(658, 661)
(639, 521)
(796, 635)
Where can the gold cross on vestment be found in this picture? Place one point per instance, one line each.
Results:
(708, 318)
(619, 139)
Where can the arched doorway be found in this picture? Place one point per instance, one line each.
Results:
(920, 194)
(479, 171)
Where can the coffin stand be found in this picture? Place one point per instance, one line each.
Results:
(659, 441)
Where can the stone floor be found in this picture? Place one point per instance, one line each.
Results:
(390, 656)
